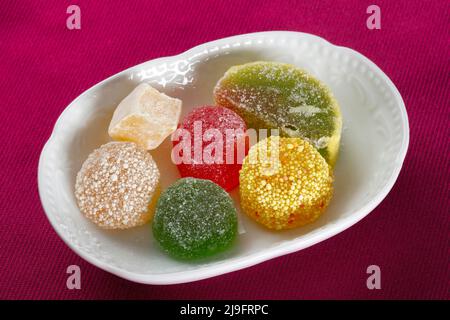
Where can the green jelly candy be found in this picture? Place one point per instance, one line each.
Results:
(194, 219)
(272, 95)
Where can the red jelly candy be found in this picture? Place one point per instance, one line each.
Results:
(210, 144)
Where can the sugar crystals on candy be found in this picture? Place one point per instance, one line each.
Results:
(285, 183)
(194, 219)
(146, 117)
(117, 186)
(211, 144)
(273, 95)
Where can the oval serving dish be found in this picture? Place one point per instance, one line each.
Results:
(374, 142)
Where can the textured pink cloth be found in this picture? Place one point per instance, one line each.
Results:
(44, 66)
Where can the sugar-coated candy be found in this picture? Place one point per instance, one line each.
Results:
(272, 95)
(194, 219)
(117, 186)
(284, 183)
(211, 145)
(146, 117)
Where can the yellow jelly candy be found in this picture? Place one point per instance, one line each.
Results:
(146, 117)
(284, 183)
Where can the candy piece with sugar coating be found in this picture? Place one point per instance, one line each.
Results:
(194, 219)
(284, 183)
(272, 95)
(213, 138)
(118, 185)
(146, 117)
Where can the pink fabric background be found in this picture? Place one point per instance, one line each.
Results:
(44, 66)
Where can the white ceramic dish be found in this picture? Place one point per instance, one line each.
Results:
(374, 143)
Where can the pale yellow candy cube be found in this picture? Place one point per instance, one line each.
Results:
(146, 117)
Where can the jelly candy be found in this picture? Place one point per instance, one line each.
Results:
(194, 219)
(271, 95)
(284, 183)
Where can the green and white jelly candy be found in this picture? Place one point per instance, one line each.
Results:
(272, 95)
(194, 219)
